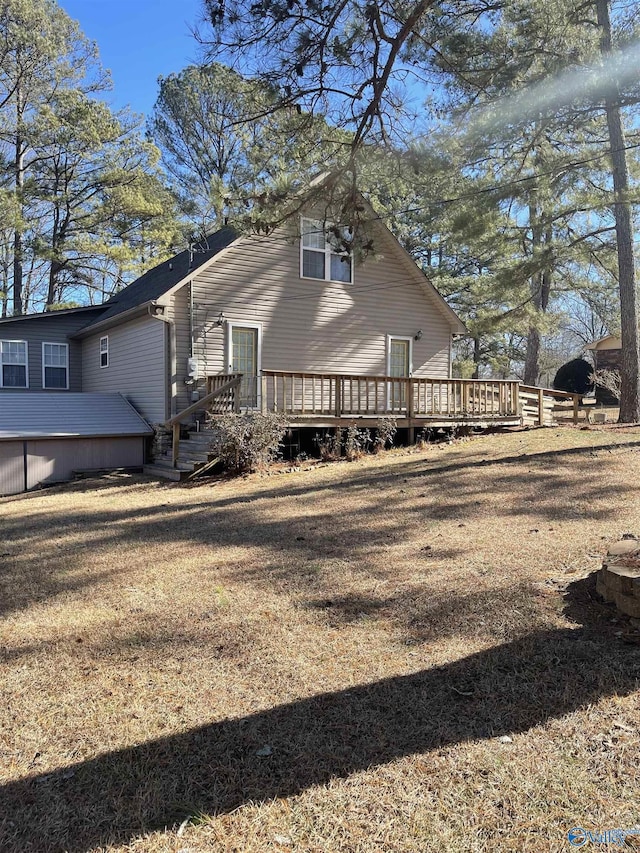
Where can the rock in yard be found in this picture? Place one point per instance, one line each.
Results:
(623, 547)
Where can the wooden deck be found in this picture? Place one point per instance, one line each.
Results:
(337, 400)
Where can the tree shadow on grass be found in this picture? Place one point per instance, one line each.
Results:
(452, 492)
(216, 768)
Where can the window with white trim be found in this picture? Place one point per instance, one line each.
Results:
(320, 258)
(104, 351)
(55, 366)
(14, 371)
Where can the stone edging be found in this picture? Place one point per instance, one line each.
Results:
(618, 581)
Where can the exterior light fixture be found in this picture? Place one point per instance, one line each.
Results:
(417, 335)
(220, 320)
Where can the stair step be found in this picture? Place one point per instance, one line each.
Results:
(163, 473)
(192, 455)
(194, 442)
(199, 445)
(181, 465)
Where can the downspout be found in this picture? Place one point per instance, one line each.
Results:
(191, 318)
(170, 367)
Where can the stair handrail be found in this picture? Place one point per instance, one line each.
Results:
(176, 420)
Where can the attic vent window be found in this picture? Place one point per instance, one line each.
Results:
(321, 258)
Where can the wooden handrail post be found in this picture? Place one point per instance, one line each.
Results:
(338, 400)
(540, 407)
(576, 407)
(175, 445)
(263, 394)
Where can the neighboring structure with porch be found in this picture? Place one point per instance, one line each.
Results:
(607, 355)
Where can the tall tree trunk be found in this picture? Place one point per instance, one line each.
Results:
(541, 237)
(4, 286)
(629, 315)
(532, 357)
(18, 249)
(476, 358)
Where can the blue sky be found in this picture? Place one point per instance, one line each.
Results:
(138, 41)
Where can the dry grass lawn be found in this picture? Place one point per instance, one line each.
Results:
(403, 653)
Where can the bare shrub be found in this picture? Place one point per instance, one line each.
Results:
(385, 433)
(328, 447)
(424, 438)
(610, 380)
(356, 442)
(248, 441)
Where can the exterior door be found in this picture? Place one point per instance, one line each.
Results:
(245, 359)
(400, 366)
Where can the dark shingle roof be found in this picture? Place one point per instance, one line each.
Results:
(158, 280)
(49, 315)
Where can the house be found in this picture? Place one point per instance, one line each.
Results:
(607, 355)
(306, 326)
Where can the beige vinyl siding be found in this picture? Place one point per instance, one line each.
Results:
(310, 325)
(55, 460)
(137, 365)
(11, 467)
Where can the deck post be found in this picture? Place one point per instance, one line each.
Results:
(263, 394)
(338, 400)
(411, 433)
(175, 445)
(576, 407)
(540, 407)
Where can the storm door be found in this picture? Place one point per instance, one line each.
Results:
(245, 358)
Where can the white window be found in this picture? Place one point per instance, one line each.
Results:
(14, 371)
(320, 258)
(104, 351)
(55, 366)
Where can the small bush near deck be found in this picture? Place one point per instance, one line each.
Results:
(385, 433)
(246, 442)
(356, 442)
(328, 448)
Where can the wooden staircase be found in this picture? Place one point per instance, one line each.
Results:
(189, 456)
(194, 454)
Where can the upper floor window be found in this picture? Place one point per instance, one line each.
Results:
(13, 364)
(55, 366)
(104, 351)
(320, 259)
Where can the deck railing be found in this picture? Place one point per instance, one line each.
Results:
(345, 395)
(227, 400)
